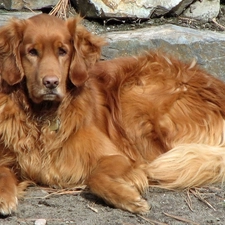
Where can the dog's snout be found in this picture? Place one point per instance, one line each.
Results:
(50, 81)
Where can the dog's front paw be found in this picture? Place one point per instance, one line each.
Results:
(8, 204)
(138, 205)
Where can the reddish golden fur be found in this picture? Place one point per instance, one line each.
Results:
(117, 126)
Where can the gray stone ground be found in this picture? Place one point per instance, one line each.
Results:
(205, 206)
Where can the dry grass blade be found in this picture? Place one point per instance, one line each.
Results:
(60, 9)
(92, 208)
(188, 201)
(198, 196)
(63, 192)
(214, 189)
(219, 25)
(51, 191)
(187, 19)
(153, 222)
(181, 219)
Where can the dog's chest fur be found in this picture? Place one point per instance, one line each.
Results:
(34, 143)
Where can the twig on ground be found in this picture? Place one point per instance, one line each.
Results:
(188, 200)
(61, 193)
(26, 5)
(187, 19)
(92, 208)
(52, 191)
(153, 222)
(181, 219)
(197, 194)
(219, 25)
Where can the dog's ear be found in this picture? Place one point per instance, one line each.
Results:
(87, 50)
(10, 63)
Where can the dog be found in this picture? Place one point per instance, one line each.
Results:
(117, 126)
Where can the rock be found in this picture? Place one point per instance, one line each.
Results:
(6, 15)
(11, 4)
(177, 10)
(28, 4)
(131, 9)
(203, 10)
(207, 47)
(40, 222)
(145, 9)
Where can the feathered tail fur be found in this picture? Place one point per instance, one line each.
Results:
(188, 165)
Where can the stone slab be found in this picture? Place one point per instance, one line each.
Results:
(5, 16)
(207, 47)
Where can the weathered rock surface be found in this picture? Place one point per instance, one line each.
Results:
(131, 9)
(207, 47)
(28, 4)
(6, 16)
(204, 10)
(145, 9)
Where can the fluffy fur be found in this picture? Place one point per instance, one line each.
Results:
(116, 126)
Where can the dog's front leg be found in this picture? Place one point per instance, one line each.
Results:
(8, 191)
(119, 183)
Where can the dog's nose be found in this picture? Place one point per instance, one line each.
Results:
(50, 82)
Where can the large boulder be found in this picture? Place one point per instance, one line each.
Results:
(132, 9)
(206, 47)
(146, 9)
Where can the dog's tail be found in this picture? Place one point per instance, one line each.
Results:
(189, 165)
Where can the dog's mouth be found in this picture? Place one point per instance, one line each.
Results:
(46, 95)
(50, 97)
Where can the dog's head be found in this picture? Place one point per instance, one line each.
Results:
(48, 52)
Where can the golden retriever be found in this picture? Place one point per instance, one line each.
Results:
(116, 126)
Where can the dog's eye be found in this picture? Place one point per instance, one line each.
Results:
(33, 52)
(62, 52)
